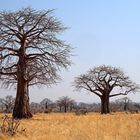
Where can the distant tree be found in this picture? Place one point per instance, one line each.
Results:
(116, 106)
(89, 107)
(59, 104)
(64, 102)
(30, 53)
(105, 82)
(45, 103)
(125, 102)
(8, 103)
(72, 105)
(82, 105)
(35, 107)
(137, 105)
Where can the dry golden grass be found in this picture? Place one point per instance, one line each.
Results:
(55, 126)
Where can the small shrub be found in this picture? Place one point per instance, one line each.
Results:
(134, 111)
(81, 112)
(10, 126)
(48, 111)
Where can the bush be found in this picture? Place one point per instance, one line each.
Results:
(10, 126)
(81, 112)
(48, 111)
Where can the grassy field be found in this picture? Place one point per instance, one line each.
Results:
(55, 126)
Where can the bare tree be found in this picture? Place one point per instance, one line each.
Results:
(83, 105)
(59, 104)
(72, 105)
(8, 103)
(46, 103)
(35, 107)
(64, 102)
(105, 82)
(30, 53)
(125, 102)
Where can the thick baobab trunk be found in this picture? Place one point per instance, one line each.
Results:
(22, 108)
(105, 104)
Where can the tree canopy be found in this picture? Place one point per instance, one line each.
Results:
(34, 35)
(105, 82)
(31, 52)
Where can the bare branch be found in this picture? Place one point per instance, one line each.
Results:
(29, 45)
(103, 79)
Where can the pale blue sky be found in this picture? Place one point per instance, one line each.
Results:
(101, 31)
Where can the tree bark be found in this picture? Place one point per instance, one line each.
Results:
(22, 107)
(105, 104)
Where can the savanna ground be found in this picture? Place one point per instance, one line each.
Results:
(68, 126)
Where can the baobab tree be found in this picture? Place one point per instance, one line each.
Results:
(125, 102)
(59, 104)
(8, 103)
(105, 82)
(64, 102)
(31, 53)
(45, 103)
